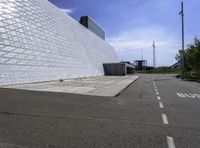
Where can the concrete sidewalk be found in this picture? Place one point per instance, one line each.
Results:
(97, 86)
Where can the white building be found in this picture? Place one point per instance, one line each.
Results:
(39, 42)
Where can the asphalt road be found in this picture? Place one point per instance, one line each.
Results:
(157, 111)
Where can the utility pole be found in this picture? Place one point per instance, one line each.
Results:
(183, 40)
(154, 54)
(142, 54)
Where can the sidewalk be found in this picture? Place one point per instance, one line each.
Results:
(97, 86)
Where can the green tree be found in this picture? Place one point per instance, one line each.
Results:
(194, 55)
(191, 57)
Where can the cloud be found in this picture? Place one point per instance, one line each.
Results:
(133, 43)
(68, 11)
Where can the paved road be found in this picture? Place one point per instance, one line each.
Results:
(157, 111)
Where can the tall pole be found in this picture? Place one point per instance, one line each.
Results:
(183, 40)
(154, 54)
(142, 54)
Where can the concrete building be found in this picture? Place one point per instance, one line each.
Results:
(39, 42)
(140, 64)
(118, 69)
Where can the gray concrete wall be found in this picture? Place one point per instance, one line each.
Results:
(115, 69)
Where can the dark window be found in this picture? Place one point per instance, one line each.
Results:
(92, 26)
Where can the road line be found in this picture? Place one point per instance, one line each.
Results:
(165, 120)
(170, 142)
(156, 90)
(158, 97)
(157, 93)
(161, 105)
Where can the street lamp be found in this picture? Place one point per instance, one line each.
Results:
(182, 16)
(154, 54)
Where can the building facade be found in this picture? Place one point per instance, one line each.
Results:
(140, 64)
(39, 42)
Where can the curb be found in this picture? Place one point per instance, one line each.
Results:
(126, 87)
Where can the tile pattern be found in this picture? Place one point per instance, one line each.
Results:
(38, 42)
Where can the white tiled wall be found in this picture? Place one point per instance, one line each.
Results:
(38, 42)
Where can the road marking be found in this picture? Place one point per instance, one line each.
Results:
(170, 142)
(156, 89)
(161, 105)
(181, 95)
(158, 97)
(157, 93)
(190, 95)
(165, 120)
(185, 95)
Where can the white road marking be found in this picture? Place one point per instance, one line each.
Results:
(156, 89)
(170, 142)
(197, 95)
(157, 93)
(158, 97)
(185, 95)
(165, 120)
(181, 95)
(190, 95)
(161, 105)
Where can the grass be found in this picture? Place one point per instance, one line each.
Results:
(162, 70)
(192, 78)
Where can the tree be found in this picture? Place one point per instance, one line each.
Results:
(191, 57)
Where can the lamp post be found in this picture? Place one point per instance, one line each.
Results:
(154, 54)
(182, 60)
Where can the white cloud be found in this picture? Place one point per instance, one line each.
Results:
(129, 44)
(68, 11)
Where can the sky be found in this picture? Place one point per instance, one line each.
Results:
(131, 26)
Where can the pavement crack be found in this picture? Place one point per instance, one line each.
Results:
(119, 120)
(84, 106)
(28, 115)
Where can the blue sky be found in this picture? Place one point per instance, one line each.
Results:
(132, 25)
